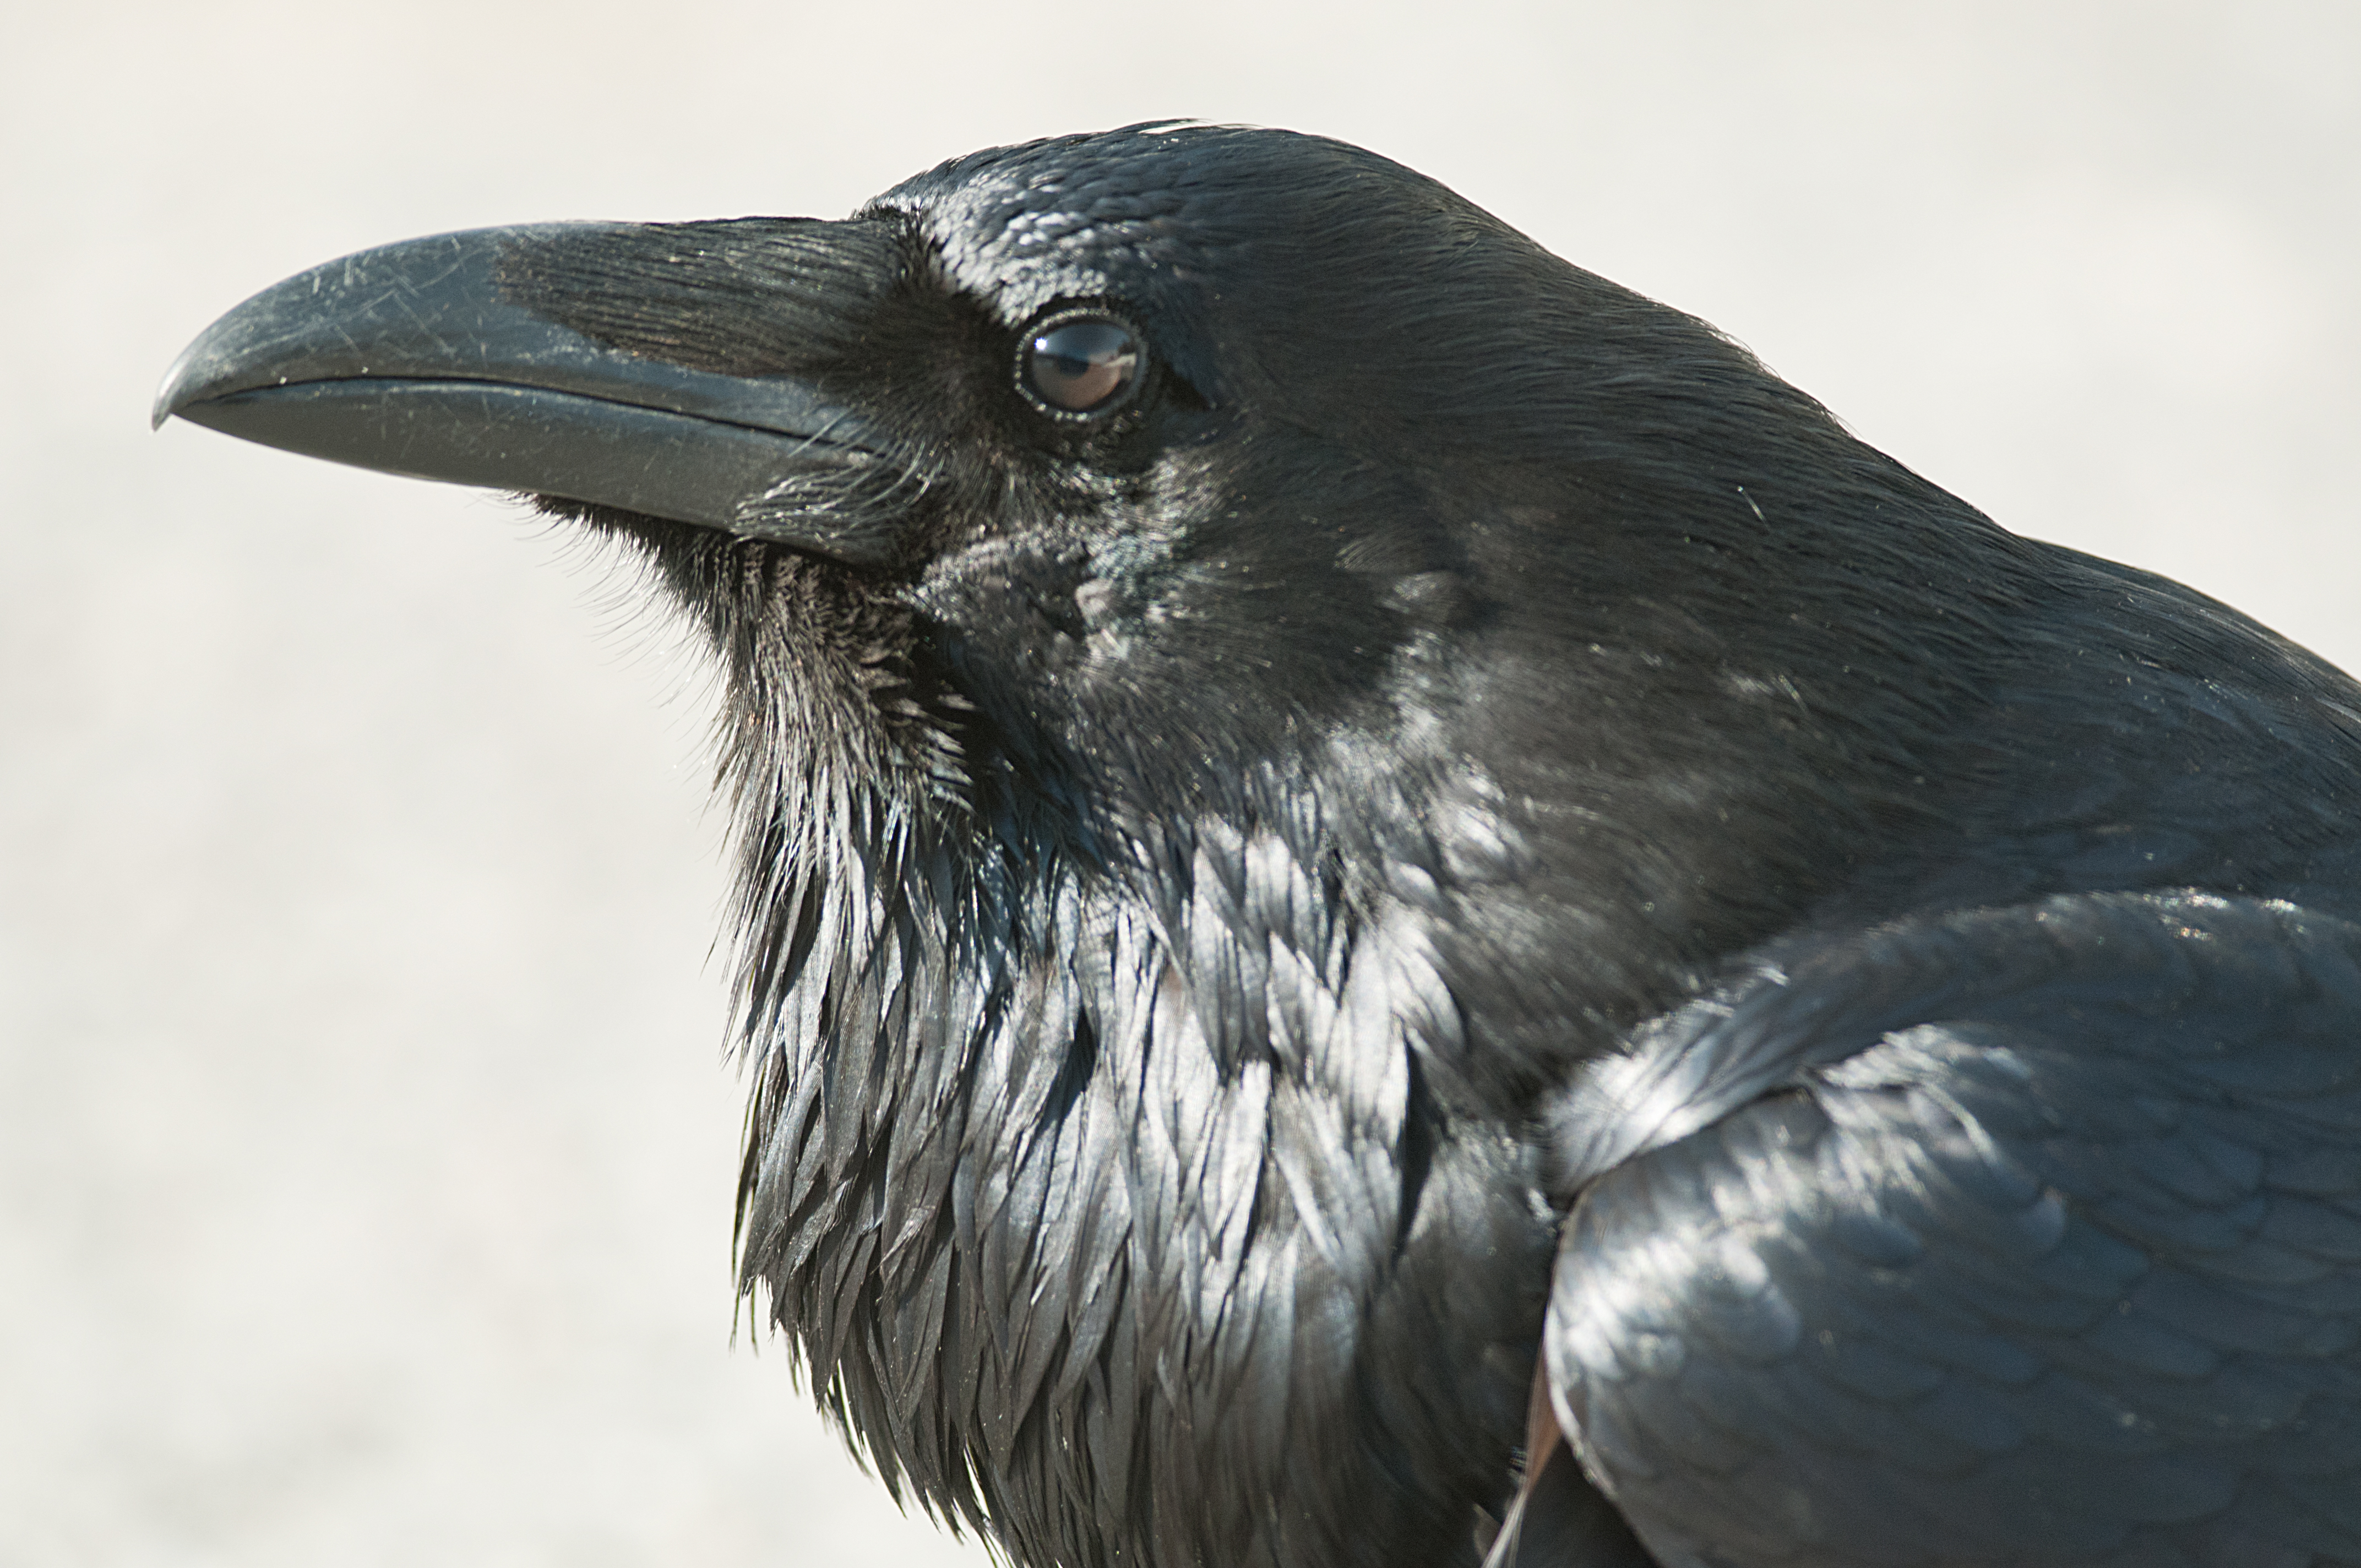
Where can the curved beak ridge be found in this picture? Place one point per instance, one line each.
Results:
(420, 358)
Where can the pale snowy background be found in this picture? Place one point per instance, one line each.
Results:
(366, 1154)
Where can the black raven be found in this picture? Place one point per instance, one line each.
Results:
(1393, 906)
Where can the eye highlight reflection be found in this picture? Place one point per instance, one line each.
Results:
(1081, 364)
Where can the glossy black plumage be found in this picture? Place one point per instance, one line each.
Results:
(1465, 768)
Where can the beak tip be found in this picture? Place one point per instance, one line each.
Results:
(180, 385)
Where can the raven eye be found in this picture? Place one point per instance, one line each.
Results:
(1081, 364)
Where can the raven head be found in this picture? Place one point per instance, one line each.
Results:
(1240, 667)
(1351, 413)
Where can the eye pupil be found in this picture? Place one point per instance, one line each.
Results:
(1082, 365)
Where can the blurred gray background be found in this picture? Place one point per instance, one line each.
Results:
(366, 1150)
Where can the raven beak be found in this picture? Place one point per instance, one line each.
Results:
(420, 359)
